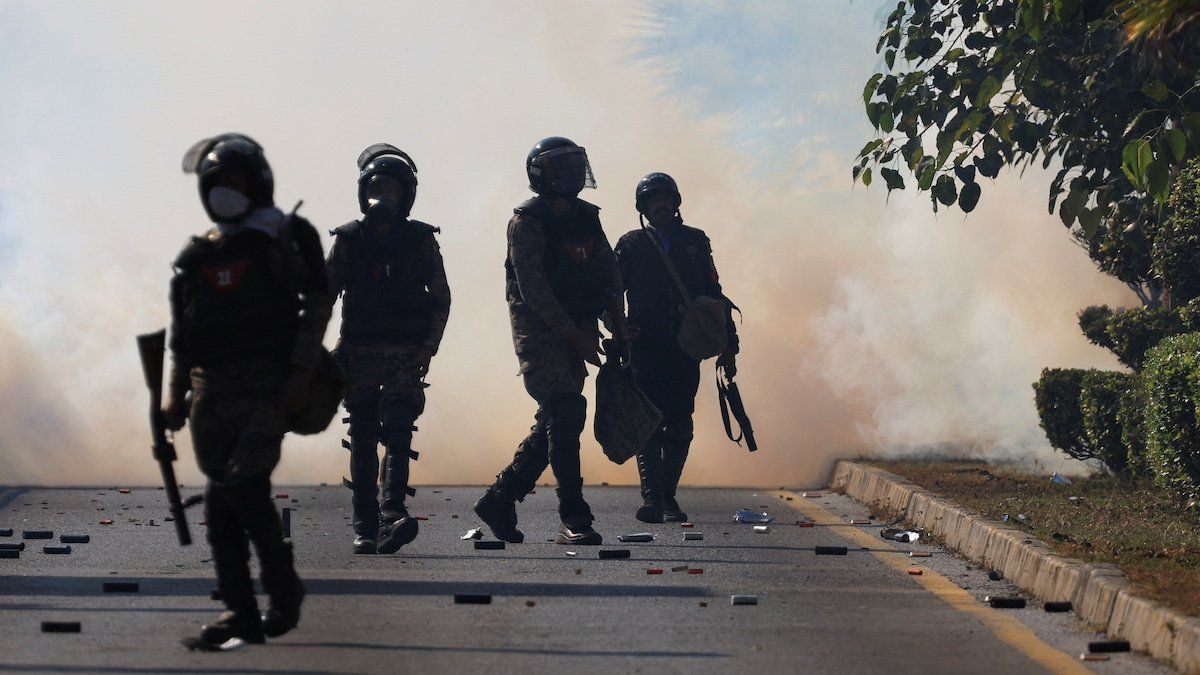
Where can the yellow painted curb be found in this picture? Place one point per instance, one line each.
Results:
(1004, 626)
(1099, 592)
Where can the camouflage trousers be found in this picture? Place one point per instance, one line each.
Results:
(384, 398)
(552, 372)
(382, 372)
(236, 421)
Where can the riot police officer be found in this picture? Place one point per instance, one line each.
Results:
(395, 304)
(668, 376)
(561, 277)
(248, 309)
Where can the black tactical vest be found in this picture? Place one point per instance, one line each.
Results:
(386, 299)
(238, 300)
(580, 281)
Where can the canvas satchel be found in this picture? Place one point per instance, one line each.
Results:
(703, 330)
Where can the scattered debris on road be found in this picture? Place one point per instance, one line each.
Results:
(489, 545)
(1108, 646)
(743, 599)
(636, 537)
(61, 627)
(748, 516)
(693, 536)
(472, 599)
(613, 553)
(121, 587)
(1062, 606)
(74, 538)
(831, 550)
(998, 602)
(476, 533)
(762, 529)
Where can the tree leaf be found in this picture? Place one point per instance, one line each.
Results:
(1156, 90)
(987, 91)
(1176, 140)
(893, 179)
(1134, 159)
(869, 89)
(944, 190)
(968, 197)
(1158, 180)
(866, 177)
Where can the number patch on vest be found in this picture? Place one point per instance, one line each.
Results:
(225, 277)
(579, 254)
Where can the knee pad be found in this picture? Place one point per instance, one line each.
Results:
(396, 424)
(678, 431)
(363, 417)
(568, 414)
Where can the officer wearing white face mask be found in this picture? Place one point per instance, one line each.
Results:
(249, 304)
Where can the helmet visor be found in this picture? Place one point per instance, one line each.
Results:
(387, 190)
(566, 170)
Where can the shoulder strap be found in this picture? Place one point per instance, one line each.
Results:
(683, 292)
(722, 397)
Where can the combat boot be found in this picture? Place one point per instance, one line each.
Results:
(576, 517)
(497, 508)
(649, 462)
(674, 457)
(397, 527)
(243, 623)
(284, 612)
(364, 545)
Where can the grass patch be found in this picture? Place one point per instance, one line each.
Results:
(1125, 521)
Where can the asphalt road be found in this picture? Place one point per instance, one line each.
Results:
(551, 611)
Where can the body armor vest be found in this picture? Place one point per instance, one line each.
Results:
(239, 301)
(386, 299)
(579, 280)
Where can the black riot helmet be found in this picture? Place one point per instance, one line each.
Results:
(655, 183)
(558, 166)
(227, 153)
(383, 162)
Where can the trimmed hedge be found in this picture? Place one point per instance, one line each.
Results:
(1093, 321)
(1056, 395)
(1100, 393)
(1133, 332)
(1131, 413)
(1172, 380)
(1176, 251)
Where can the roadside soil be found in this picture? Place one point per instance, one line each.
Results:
(1124, 521)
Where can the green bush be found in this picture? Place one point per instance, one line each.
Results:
(1094, 323)
(1100, 393)
(1132, 332)
(1056, 395)
(1131, 413)
(1176, 252)
(1172, 380)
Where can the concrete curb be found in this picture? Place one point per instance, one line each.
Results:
(1100, 593)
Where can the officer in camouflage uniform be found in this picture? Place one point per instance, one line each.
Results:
(561, 276)
(395, 303)
(249, 306)
(668, 376)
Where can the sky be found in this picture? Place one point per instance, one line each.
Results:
(872, 327)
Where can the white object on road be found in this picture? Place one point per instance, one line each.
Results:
(762, 529)
(907, 537)
(748, 516)
(473, 534)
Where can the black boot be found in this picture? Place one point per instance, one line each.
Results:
(649, 462)
(363, 410)
(675, 452)
(276, 560)
(497, 508)
(397, 528)
(231, 558)
(576, 517)
(364, 545)
(244, 624)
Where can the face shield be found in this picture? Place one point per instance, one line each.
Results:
(565, 171)
(387, 192)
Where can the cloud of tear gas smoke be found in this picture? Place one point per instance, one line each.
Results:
(868, 328)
